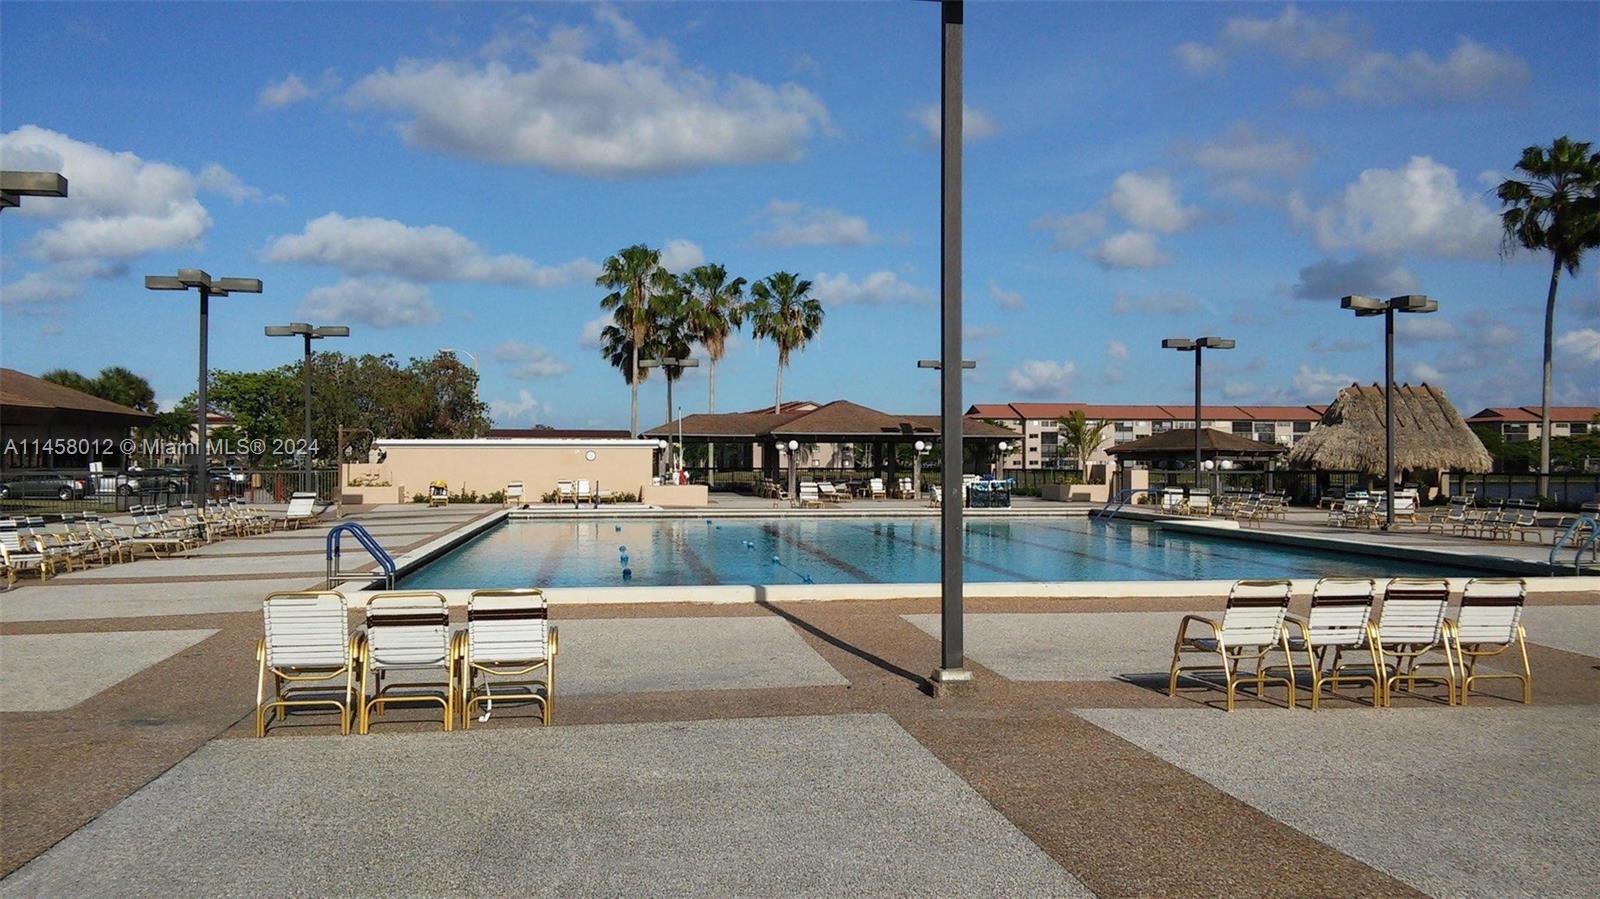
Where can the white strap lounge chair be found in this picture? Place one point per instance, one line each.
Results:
(507, 652)
(309, 654)
(1410, 628)
(1251, 628)
(810, 496)
(406, 631)
(1199, 502)
(905, 489)
(514, 493)
(1340, 622)
(300, 511)
(584, 493)
(564, 492)
(1172, 500)
(22, 560)
(438, 494)
(875, 489)
(1488, 624)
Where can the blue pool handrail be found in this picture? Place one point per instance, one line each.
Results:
(1115, 503)
(1590, 544)
(369, 543)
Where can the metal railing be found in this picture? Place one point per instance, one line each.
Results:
(169, 487)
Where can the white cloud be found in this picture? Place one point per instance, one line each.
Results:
(793, 224)
(1583, 343)
(1072, 230)
(528, 361)
(1319, 385)
(361, 246)
(1297, 36)
(1172, 303)
(1006, 299)
(643, 113)
(1131, 249)
(875, 289)
(1425, 329)
(1116, 349)
(375, 301)
(1238, 390)
(1427, 374)
(1113, 372)
(1039, 378)
(524, 410)
(1471, 71)
(975, 123)
(678, 256)
(120, 206)
(1367, 275)
(40, 289)
(589, 337)
(283, 93)
(981, 332)
(218, 180)
(1151, 202)
(1240, 160)
(1416, 208)
(1198, 58)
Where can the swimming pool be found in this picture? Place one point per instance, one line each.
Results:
(686, 552)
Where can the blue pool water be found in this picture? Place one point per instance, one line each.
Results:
(601, 553)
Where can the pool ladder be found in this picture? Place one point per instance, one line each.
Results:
(1582, 544)
(1115, 504)
(368, 542)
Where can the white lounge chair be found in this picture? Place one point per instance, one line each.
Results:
(810, 496)
(1340, 622)
(1251, 628)
(875, 489)
(514, 493)
(510, 646)
(1410, 628)
(1199, 502)
(308, 651)
(1172, 500)
(406, 631)
(905, 489)
(300, 511)
(1488, 623)
(564, 492)
(19, 557)
(584, 493)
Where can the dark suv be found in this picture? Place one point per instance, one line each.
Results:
(44, 486)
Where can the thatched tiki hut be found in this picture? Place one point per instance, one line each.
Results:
(1429, 434)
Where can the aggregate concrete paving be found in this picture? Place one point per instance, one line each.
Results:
(47, 672)
(645, 655)
(1456, 802)
(772, 807)
(58, 601)
(1572, 628)
(1074, 646)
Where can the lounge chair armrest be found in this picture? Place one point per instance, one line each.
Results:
(555, 641)
(1300, 624)
(1183, 627)
(261, 649)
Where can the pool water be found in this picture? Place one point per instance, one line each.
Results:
(679, 552)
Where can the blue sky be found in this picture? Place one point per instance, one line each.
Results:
(450, 175)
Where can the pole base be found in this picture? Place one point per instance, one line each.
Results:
(953, 682)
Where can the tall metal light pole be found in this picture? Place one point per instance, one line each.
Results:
(673, 368)
(1198, 346)
(16, 185)
(1366, 306)
(952, 654)
(302, 329)
(221, 287)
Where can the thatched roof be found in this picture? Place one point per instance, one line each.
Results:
(1178, 443)
(1428, 434)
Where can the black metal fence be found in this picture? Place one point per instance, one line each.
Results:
(110, 492)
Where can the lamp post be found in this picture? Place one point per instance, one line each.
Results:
(661, 467)
(1198, 346)
(999, 460)
(676, 367)
(16, 185)
(302, 329)
(916, 469)
(792, 446)
(221, 287)
(1368, 306)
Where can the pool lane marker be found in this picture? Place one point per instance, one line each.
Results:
(857, 573)
(978, 563)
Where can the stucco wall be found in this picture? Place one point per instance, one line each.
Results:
(486, 465)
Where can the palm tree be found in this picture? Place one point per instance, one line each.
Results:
(1079, 435)
(1553, 208)
(717, 309)
(672, 331)
(634, 275)
(783, 310)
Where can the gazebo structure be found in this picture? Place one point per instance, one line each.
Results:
(757, 441)
(1177, 444)
(1429, 434)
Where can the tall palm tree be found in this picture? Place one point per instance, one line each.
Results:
(783, 309)
(1080, 436)
(633, 275)
(1553, 207)
(717, 309)
(672, 331)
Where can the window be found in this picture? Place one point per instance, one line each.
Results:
(1517, 431)
(1579, 427)
(1302, 427)
(1242, 428)
(1050, 439)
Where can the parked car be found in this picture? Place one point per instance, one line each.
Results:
(231, 476)
(109, 482)
(163, 480)
(44, 486)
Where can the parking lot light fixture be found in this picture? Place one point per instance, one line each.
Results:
(198, 279)
(309, 333)
(1364, 307)
(16, 185)
(1198, 346)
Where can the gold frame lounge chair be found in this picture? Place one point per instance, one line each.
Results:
(307, 644)
(875, 489)
(438, 494)
(1252, 626)
(513, 495)
(1487, 624)
(1340, 622)
(406, 631)
(810, 496)
(508, 642)
(302, 510)
(1411, 626)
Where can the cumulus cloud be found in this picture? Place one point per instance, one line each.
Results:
(1198, 58)
(981, 332)
(641, 113)
(1320, 384)
(1427, 374)
(218, 180)
(1419, 208)
(794, 224)
(376, 301)
(1424, 329)
(1470, 72)
(1151, 201)
(361, 246)
(1072, 230)
(1368, 275)
(1173, 303)
(1041, 378)
(1242, 164)
(37, 289)
(524, 410)
(680, 255)
(1006, 299)
(876, 289)
(589, 337)
(278, 94)
(1131, 249)
(975, 123)
(1582, 344)
(527, 361)
(1116, 349)
(120, 207)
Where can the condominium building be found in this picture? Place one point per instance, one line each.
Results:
(1522, 422)
(1039, 425)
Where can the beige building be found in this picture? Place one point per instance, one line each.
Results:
(485, 465)
(1516, 423)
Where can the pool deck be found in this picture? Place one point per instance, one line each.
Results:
(770, 747)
